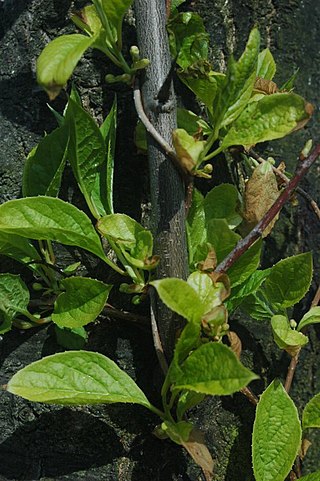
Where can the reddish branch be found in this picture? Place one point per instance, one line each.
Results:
(244, 244)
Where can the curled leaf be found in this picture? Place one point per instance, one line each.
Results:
(199, 452)
(260, 194)
(188, 149)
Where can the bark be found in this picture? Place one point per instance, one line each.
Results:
(115, 442)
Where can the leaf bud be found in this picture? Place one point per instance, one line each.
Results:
(293, 324)
(36, 286)
(141, 64)
(135, 53)
(207, 169)
(109, 78)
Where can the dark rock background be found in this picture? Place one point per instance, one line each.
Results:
(115, 442)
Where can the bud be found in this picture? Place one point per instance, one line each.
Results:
(110, 79)
(207, 169)
(141, 64)
(36, 286)
(293, 324)
(135, 53)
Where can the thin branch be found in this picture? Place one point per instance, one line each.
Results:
(291, 370)
(244, 244)
(156, 336)
(316, 298)
(168, 150)
(111, 311)
(286, 180)
(250, 395)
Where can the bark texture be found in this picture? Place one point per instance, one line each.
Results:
(111, 443)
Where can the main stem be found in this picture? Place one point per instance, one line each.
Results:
(166, 185)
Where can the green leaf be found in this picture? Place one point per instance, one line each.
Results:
(120, 228)
(180, 297)
(285, 337)
(115, 11)
(201, 82)
(222, 202)
(88, 20)
(187, 38)
(276, 435)
(81, 303)
(250, 286)
(58, 60)
(46, 218)
(246, 265)
(289, 280)
(192, 123)
(271, 117)
(311, 317)
(14, 299)
(221, 237)
(87, 153)
(177, 432)
(18, 248)
(187, 400)
(188, 149)
(256, 306)
(175, 4)
(311, 413)
(71, 338)
(266, 65)
(311, 477)
(76, 377)
(105, 178)
(213, 369)
(188, 340)
(209, 294)
(45, 164)
(195, 224)
(238, 84)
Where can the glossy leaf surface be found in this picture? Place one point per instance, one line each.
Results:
(276, 435)
(311, 317)
(311, 413)
(213, 369)
(289, 280)
(50, 219)
(45, 164)
(58, 60)
(76, 377)
(14, 299)
(222, 203)
(81, 303)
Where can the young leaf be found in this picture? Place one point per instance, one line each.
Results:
(213, 369)
(209, 294)
(187, 38)
(51, 219)
(181, 298)
(88, 20)
(200, 79)
(256, 306)
(276, 435)
(222, 203)
(289, 280)
(271, 117)
(266, 67)
(58, 60)
(81, 303)
(188, 149)
(192, 123)
(44, 166)
(177, 432)
(221, 237)
(71, 338)
(175, 4)
(14, 299)
(87, 153)
(311, 413)
(187, 400)
(311, 317)
(195, 224)
(120, 228)
(18, 248)
(250, 286)
(246, 265)
(238, 84)
(311, 477)
(115, 11)
(76, 377)
(108, 130)
(285, 337)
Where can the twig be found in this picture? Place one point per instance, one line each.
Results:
(156, 336)
(316, 298)
(250, 395)
(168, 150)
(111, 311)
(244, 244)
(286, 180)
(291, 370)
